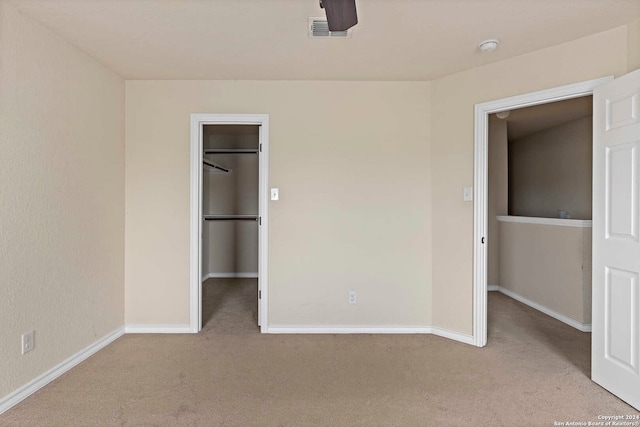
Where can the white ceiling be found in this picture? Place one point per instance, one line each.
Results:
(267, 39)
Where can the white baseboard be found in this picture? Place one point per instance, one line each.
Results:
(583, 327)
(230, 276)
(28, 389)
(348, 330)
(36, 384)
(456, 336)
(493, 288)
(157, 329)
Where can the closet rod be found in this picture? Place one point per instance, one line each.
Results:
(215, 166)
(231, 151)
(231, 217)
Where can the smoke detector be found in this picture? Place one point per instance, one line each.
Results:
(319, 29)
(488, 46)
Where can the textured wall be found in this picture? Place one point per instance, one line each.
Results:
(549, 265)
(352, 163)
(453, 99)
(551, 171)
(62, 199)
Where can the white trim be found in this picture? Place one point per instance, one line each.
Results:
(583, 327)
(480, 209)
(456, 336)
(195, 226)
(12, 399)
(580, 223)
(263, 235)
(253, 275)
(157, 329)
(480, 163)
(493, 288)
(195, 246)
(309, 329)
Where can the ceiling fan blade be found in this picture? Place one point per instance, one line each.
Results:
(341, 14)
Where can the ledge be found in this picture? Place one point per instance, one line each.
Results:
(580, 223)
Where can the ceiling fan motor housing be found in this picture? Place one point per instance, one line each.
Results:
(341, 14)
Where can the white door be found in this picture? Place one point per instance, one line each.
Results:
(615, 352)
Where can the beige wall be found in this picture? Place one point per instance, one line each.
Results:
(549, 265)
(329, 208)
(453, 99)
(498, 194)
(551, 171)
(352, 163)
(633, 49)
(62, 192)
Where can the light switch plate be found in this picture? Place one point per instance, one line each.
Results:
(467, 194)
(28, 342)
(275, 194)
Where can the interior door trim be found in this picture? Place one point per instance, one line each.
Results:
(195, 251)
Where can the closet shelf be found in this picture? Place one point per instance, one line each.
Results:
(231, 217)
(231, 151)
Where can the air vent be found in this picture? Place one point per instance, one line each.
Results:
(319, 28)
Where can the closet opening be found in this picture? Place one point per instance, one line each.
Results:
(228, 233)
(230, 225)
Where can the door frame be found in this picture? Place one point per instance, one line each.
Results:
(481, 183)
(195, 253)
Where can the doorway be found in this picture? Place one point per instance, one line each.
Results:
(229, 217)
(539, 229)
(540, 208)
(482, 112)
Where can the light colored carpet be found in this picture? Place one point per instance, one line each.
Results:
(534, 371)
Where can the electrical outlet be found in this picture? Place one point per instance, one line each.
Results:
(353, 297)
(28, 342)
